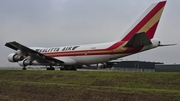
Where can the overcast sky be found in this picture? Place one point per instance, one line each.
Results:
(49, 23)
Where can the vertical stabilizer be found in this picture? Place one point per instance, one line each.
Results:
(147, 22)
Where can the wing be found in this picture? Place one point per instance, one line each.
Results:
(32, 53)
(138, 40)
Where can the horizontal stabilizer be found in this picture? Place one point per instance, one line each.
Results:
(138, 40)
(168, 45)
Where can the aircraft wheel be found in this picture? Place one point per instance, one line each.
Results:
(24, 68)
(73, 68)
(52, 68)
(69, 68)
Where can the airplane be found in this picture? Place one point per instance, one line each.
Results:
(138, 38)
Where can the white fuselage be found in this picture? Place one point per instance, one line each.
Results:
(89, 54)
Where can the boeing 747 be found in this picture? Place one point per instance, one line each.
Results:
(138, 38)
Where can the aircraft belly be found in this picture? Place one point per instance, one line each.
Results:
(96, 58)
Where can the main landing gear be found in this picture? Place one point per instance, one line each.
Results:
(50, 68)
(72, 68)
(24, 68)
(69, 68)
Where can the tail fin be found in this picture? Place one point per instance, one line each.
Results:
(147, 22)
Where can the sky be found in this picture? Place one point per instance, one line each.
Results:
(51, 23)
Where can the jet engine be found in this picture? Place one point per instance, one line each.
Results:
(25, 62)
(101, 65)
(105, 65)
(13, 57)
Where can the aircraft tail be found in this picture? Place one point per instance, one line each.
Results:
(147, 22)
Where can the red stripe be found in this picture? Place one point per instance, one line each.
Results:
(152, 30)
(64, 52)
(116, 45)
(128, 51)
(144, 20)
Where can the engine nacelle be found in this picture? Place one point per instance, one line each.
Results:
(25, 62)
(155, 42)
(13, 57)
(105, 65)
(101, 65)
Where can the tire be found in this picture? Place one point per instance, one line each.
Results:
(50, 68)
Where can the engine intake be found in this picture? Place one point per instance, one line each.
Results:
(13, 57)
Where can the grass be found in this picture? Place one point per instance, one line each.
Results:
(17, 85)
